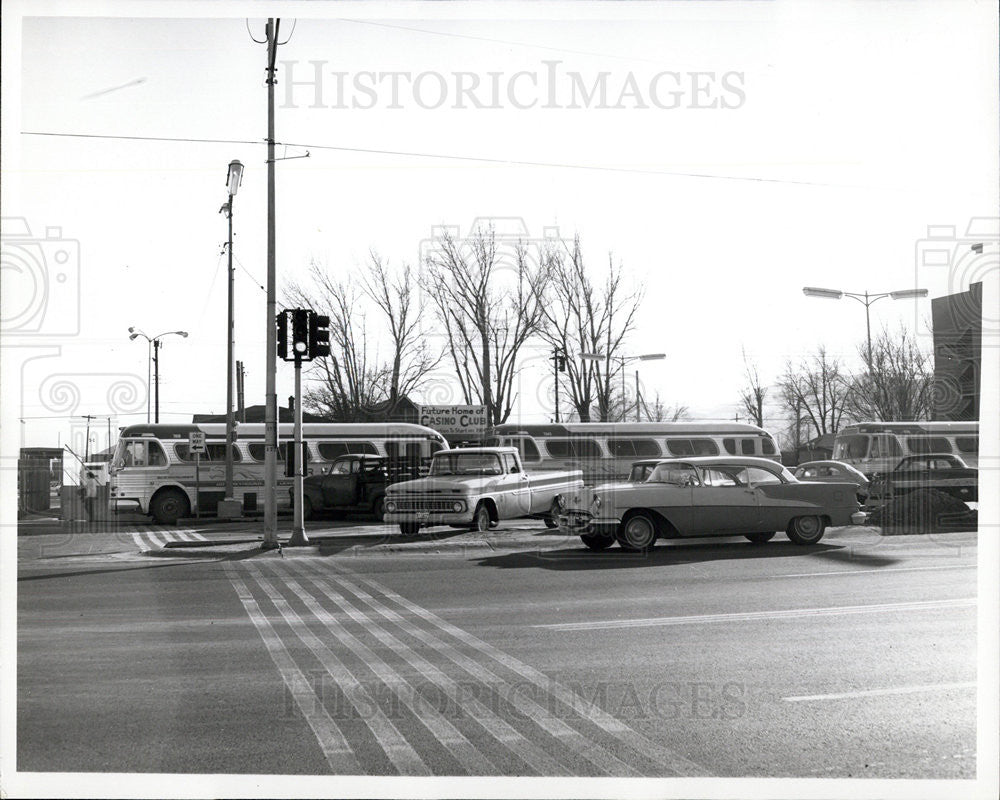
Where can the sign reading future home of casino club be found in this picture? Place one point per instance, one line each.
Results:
(454, 419)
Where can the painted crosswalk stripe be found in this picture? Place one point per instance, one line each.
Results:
(927, 687)
(446, 733)
(499, 729)
(198, 536)
(338, 753)
(662, 756)
(182, 535)
(392, 742)
(875, 608)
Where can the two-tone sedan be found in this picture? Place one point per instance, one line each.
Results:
(709, 496)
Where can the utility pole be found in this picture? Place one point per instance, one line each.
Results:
(240, 402)
(637, 396)
(156, 377)
(271, 399)
(86, 444)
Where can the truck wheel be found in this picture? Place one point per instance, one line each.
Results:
(806, 530)
(595, 542)
(552, 517)
(481, 520)
(760, 538)
(409, 528)
(637, 533)
(169, 506)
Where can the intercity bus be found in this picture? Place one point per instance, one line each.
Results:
(153, 467)
(605, 450)
(878, 446)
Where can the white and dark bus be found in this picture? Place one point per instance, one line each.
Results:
(878, 446)
(153, 467)
(605, 450)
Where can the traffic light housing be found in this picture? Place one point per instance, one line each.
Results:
(561, 363)
(282, 320)
(319, 336)
(299, 343)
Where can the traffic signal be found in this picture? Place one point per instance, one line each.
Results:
(290, 459)
(282, 319)
(319, 336)
(299, 344)
(561, 363)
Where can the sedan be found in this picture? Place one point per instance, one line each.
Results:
(833, 472)
(709, 496)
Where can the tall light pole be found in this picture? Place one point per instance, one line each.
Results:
(865, 299)
(154, 342)
(233, 178)
(623, 360)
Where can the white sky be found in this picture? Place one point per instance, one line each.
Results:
(861, 126)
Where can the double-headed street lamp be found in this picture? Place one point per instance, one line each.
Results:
(153, 345)
(233, 179)
(623, 360)
(866, 299)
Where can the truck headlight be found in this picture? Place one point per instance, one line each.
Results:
(390, 506)
(457, 506)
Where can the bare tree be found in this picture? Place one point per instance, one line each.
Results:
(582, 318)
(488, 309)
(660, 412)
(753, 394)
(354, 379)
(817, 389)
(898, 385)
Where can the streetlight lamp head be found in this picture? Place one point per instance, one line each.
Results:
(133, 336)
(591, 357)
(653, 357)
(224, 209)
(831, 294)
(234, 177)
(131, 330)
(905, 293)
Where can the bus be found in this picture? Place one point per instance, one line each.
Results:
(153, 467)
(605, 450)
(878, 446)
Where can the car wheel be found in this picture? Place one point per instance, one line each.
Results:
(637, 533)
(806, 530)
(409, 528)
(481, 519)
(378, 508)
(169, 506)
(760, 538)
(551, 517)
(595, 542)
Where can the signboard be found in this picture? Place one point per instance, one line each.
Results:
(452, 420)
(196, 442)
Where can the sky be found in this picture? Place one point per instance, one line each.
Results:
(739, 152)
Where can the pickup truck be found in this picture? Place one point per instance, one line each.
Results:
(475, 488)
(354, 483)
(942, 471)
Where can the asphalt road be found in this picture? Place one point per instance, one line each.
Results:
(515, 653)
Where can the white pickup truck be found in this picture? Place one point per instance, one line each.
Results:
(476, 487)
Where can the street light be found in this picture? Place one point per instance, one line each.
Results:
(866, 299)
(154, 343)
(623, 360)
(233, 179)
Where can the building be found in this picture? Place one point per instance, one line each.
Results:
(957, 323)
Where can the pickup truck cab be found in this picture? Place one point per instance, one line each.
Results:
(476, 487)
(942, 471)
(354, 483)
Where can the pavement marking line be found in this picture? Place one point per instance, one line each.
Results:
(182, 535)
(878, 570)
(403, 757)
(137, 538)
(198, 536)
(758, 615)
(495, 725)
(927, 687)
(339, 754)
(475, 762)
(660, 755)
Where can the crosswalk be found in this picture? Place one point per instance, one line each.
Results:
(155, 539)
(390, 688)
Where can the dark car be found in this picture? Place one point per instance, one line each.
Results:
(355, 483)
(710, 496)
(942, 471)
(833, 472)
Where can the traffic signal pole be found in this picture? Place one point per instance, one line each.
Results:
(298, 537)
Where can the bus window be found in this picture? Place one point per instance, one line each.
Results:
(692, 447)
(629, 448)
(885, 447)
(967, 444)
(852, 447)
(730, 445)
(769, 449)
(930, 444)
(748, 446)
(330, 450)
(526, 447)
(403, 451)
(213, 452)
(573, 448)
(143, 454)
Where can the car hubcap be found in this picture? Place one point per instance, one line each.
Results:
(638, 533)
(808, 526)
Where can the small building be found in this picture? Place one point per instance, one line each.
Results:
(957, 321)
(818, 449)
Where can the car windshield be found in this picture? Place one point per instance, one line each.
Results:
(676, 474)
(466, 464)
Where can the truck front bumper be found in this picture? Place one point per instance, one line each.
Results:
(428, 518)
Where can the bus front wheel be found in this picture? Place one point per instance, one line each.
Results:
(169, 506)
